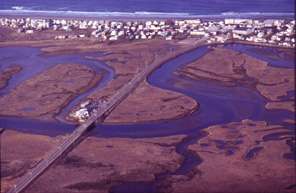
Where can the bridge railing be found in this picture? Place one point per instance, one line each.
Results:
(117, 98)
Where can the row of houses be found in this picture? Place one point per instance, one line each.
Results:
(277, 32)
(280, 32)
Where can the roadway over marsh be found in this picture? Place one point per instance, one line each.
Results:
(100, 114)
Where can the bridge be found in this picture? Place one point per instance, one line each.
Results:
(103, 111)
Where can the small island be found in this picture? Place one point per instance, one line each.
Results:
(248, 159)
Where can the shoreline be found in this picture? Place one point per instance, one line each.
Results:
(144, 17)
(233, 41)
(43, 39)
(48, 43)
(54, 119)
(200, 149)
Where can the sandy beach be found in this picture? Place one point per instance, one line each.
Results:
(106, 163)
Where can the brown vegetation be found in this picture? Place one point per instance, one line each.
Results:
(228, 166)
(97, 164)
(226, 67)
(21, 152)
(49, 91)
(6, 74)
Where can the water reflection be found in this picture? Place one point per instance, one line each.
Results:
(218, 104)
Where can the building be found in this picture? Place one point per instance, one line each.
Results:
(243, 31)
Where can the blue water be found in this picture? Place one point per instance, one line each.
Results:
(256, 52)
(215, 108)
(146, 8)
(35, 63)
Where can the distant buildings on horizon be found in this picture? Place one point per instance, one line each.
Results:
(271, 31)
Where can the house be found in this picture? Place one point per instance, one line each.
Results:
(153, 27)
(260, 34)
(60, 37)
(251, 38)
(29, 31)
(271, 41)
(243, 31)
(213, 28)
(121, 33)
(259, 25)
(287, 44)
(260, 40)
(221, 38)
(148, 23)
(229, 21)
(246, 21)
(193, 21)
(274, 37)
(83, 105)
(169, 37)
(140, 27)
(287, 39)
(20, 30)
(113, 33)
(95, 32)
(72, 36)
(81, 115)
(269, 22)
(112, 38)
(155, 23)
(279, 22)
(196, 32)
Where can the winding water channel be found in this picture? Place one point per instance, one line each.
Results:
(218, 104)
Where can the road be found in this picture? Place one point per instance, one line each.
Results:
(109, 106)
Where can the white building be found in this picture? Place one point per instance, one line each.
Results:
(243, 31)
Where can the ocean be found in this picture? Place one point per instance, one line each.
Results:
(151, 8)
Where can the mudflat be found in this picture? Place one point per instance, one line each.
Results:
(236, 158)
(146, 103)
(229, 68)
(49, 91)
(96, 164)
(5, 75)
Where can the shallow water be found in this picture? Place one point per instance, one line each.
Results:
(264, 54)
(218, 104)
(35, 63)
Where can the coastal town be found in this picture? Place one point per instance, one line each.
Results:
(270, 31)
(280, 33)
(222, 104)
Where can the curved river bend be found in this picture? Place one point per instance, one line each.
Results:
(218, 104)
